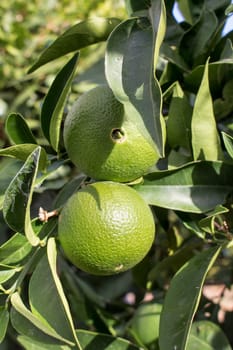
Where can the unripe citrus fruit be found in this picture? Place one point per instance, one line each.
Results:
(106, 228)
(106, 142)
(145, 323)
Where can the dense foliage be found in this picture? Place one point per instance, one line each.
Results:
(179, 78)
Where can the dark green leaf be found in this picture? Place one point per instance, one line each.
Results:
(94, 341)
(133, 6)
(67, 191)
(218, 73)
(28, 317)
(4, 319)
(190, 10)
(46, 296)
(205, 138)
(22, 152)
(199, 37)
(228, 142)
(130, 64)
(18, 130)
(29, 331)
(179, 120)
(17, 201)
(77, 37)
(208, 223)
(9, 167)
(182, 300)
(206, 335)
(52, 109)
(196, 187)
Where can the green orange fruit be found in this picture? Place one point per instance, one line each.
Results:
(106, 228)
(105, 141)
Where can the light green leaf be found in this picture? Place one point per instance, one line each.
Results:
(81, 35)
(52, 109)
(17, 247)
(4, 319)
(30, 344)
(130, 62)
(18, 197)
(206, 335)
(46, 296)
(7, 272)
(205, 138)
(17, 129)
(23, 151)
(26, 314)
(182, 300)
(196, 187)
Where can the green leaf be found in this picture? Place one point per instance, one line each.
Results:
(218, 73)
(130, 61)
(179, 119)
(67, 191)
(182, 300)
(47, 299)
(30, 344)
(9, 167)
(200, 37)
(6, 272)
(206, 335)
(17, 247)
(133, 6)
(4, 320)
(22, 152)
(28, 317)
(207, 224)
(18, 197)
(229, 9)
(189, 10)
(18, 130)
(205, 138)
(77, 37)
(53, 106)
(228, 142)
(196, 187)
(94, 341)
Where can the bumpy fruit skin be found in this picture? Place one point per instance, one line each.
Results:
(106, 142)
(106, 228)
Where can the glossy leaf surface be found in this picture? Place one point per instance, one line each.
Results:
(182, 300)
(77, 37)
(18, 130)
(196, 187)
(52, 109)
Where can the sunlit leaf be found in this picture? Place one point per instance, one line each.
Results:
(52, 109)
(133, 81)
(81, 35)
(22, 152)
(46, 296)
(182, 300)
(196, 187)
(205, 138)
